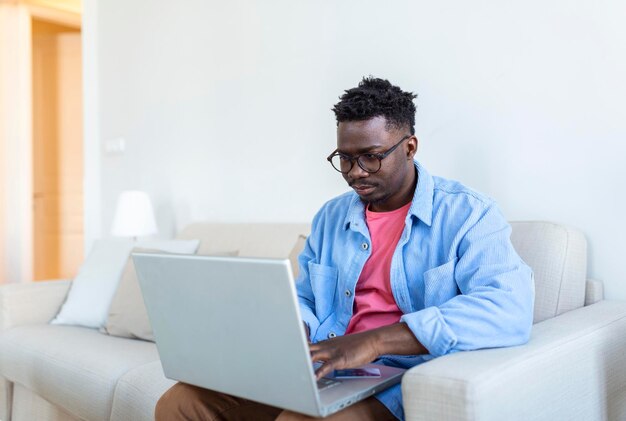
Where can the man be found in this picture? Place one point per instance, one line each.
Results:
(404, 268)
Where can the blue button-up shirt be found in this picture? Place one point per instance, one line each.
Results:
(454, 274)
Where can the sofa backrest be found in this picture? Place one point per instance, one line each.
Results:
(556, 254)
(558, 257)
(274, 240)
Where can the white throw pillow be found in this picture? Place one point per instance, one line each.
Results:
(92, 290)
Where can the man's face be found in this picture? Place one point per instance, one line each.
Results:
(393, 185)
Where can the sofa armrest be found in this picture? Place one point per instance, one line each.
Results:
(28, 303)
(594, 291)
(573, 367)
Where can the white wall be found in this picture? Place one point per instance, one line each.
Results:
(225, 106)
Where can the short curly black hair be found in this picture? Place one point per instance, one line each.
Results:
(376, 97)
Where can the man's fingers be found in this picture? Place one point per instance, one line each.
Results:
(325, 356)
(343, 352)
(320, 355)
(325, 369)
(321, 349)
(316, 346)
(331, 359)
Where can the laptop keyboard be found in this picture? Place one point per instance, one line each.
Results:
(325, 383)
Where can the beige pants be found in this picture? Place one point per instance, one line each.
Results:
(191, 403)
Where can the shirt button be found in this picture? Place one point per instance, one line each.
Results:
(364, 246)
(348, 293)
(331, 335)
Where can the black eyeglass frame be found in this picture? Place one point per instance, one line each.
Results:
(380, 156)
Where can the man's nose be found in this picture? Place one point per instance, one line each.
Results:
(357, 172)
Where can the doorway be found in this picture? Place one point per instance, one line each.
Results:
(21, 22)
(57, 150)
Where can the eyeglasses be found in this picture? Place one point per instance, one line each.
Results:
(369, 162)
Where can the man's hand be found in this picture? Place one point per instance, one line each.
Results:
(362, 348)
(344, 352)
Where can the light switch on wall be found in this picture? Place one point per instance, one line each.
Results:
(115, 146)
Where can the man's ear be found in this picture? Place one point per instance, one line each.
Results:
(412, 144)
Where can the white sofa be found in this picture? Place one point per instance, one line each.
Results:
(52, 372)
(574, 366)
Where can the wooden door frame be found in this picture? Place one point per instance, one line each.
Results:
(16, 118)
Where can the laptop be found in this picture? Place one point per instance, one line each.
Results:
(233, 325)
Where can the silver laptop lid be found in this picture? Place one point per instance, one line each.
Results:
(204, 338)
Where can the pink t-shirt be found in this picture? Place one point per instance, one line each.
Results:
(374, 305)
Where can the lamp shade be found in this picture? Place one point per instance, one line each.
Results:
(134, 215)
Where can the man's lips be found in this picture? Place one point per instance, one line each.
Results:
(362, 188)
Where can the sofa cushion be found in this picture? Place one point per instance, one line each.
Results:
(558, 257)
(88, 300)
(252, 240)
(138, 391)
(29, 406)
(73, 367)
(92, 290)
(128, 316)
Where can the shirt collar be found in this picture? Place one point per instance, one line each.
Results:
(421, 204)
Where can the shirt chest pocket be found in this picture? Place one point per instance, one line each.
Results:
(440, 284)
(324, 285)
